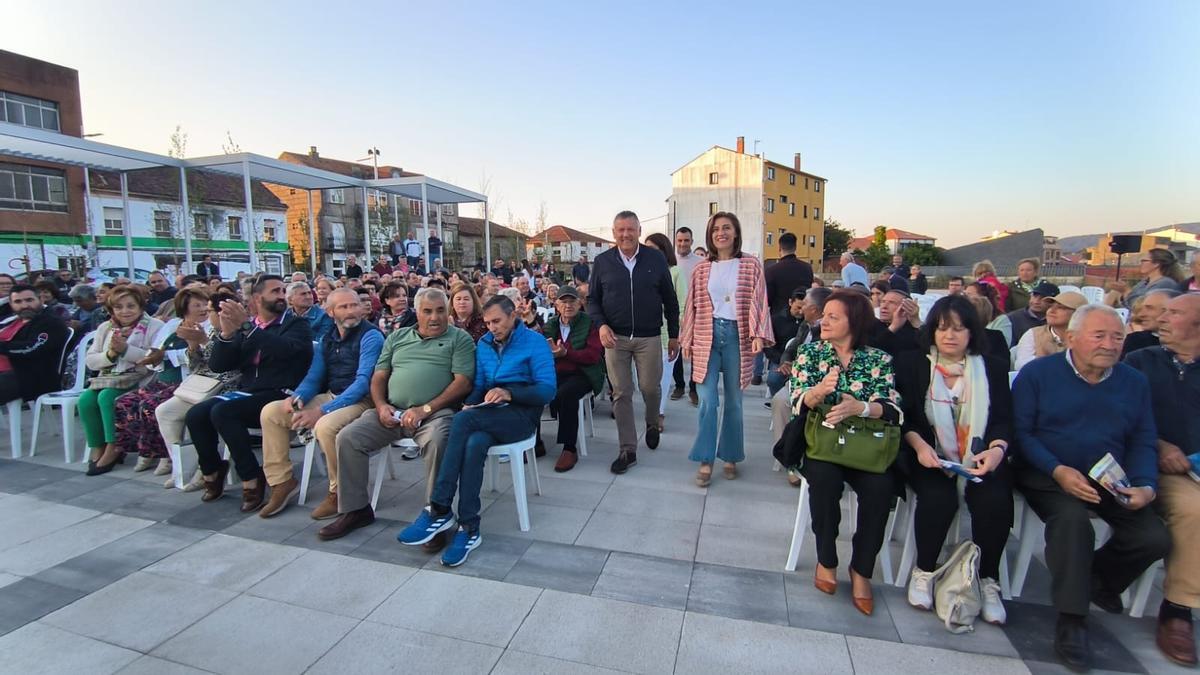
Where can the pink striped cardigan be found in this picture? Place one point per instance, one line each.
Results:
(754, 317)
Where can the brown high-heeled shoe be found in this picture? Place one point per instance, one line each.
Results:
(826, 586)
(866, 604)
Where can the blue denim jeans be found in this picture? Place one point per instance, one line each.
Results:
(775, 379)
(760, 362)
(471, 434)
(724, 361)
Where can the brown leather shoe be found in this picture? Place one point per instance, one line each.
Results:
(566, 461)
(281, 496)
(347, 523)
(1176, 641)
(253, 498)
(327, 508)
(213, 489)
(436, 544)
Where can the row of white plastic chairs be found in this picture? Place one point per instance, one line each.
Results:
(1093, 294)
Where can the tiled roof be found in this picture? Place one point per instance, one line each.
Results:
(893, 234)
(208, 187)
(353, 169)
(559, 234)
(473, 227)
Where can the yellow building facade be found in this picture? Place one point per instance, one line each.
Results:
(793, 201)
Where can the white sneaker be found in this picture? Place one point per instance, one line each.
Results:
(144, 464)
(993, 608)
(410, 454)
(164, 467)
(920, 589)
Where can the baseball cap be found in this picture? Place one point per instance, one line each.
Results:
(1045, 289)
(1070, 299)
(568, 292)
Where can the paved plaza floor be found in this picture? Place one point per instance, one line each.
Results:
(642, 573)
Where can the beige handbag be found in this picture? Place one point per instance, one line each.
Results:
(956, 593)
(197, 389)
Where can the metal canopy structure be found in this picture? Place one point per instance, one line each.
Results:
(56, 148)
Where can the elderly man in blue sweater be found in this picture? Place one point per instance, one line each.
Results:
(1070, 409)
(336, 391)
(514, 380)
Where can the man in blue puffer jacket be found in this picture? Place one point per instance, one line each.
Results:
(514, 380)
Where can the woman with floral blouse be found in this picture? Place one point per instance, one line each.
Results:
(857, 380)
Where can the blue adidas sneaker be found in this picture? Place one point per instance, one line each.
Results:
(460, 547)
(426, 527)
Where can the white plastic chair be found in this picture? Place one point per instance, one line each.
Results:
(1093, 294)
(66, 399)
(514, 452)
(1072, 289)
(1032, 530)
(909, 555)
(385, 456)
(1124, 313)
(585, 416)
(175, 451)
(801, 526)
(310, 449)
(546, 313)
(14, 426)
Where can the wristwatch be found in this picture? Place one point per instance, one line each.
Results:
(426, 409)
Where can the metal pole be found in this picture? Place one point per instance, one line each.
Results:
(186, 217)
(366, 230)
(88, 230)
(126, 224)
(425, 224)
(249, 216)
(312, 237)
(487, 237)
(442, 252)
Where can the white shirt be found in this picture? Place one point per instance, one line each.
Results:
(564, 331)
(630, 262)
(687, 263)
(722, 288)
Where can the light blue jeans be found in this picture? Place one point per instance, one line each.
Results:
(724, 361)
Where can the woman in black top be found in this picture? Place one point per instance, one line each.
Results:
(957, 407)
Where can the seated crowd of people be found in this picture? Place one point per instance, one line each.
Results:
(461, 362)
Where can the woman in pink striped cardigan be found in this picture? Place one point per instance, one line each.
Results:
(725, 323)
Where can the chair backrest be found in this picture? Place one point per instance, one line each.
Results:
(1093, 294)
(80, 359)
(66, 350)
(547, 313)
(1124, 314)
(1065, 287)
(1012, 357)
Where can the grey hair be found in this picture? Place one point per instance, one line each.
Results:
(429, 293)
(82, 291)
(512, 294)
(1082, 313)
(1171, 293)
(502, 302)
(848, 256)
(296, 286)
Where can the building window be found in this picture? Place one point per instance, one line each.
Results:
(414, 207)
(162, 224)
(770, 173)
(114, 221)
(235, 227)
(712, 208)
(337, 235)
(770, 205)
(806, 210)
(269, 228)
(31, 188)
(812, 241)
(816, 186)
(791, 209)
(791, 179)
(714, 178)
(200, 225)
(816, 213)
(28, 111)
(337, 196)
(770, 238)
(447, 209)
(806, 182)
(783, 199)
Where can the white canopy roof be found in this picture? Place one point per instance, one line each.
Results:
(270, 170)
(436, 191)
(51, 146)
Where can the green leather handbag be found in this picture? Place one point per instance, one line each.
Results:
(862, 443)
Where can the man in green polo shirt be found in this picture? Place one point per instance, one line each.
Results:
(423, 374)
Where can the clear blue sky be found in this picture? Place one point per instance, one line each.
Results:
(948, 118)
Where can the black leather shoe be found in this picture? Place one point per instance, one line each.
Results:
(1071, 643)
(623, 461)
(1106, 599)
(652, 436)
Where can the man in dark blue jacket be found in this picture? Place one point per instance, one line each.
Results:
(336, 391)
(631, 326)
(1070, 411)
(273, 351)
(514, 380)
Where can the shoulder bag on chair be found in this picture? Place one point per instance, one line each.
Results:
(956, 595)
(197, 389)
(862, 443)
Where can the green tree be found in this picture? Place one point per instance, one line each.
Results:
(925, 255)
(837, 239)
(876, 257)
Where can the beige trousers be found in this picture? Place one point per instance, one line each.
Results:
(647, 354)
(276, 419)
(1179, 504)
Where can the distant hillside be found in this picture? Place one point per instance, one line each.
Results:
(1078, 243)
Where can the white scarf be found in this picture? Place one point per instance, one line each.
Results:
(957, 435)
